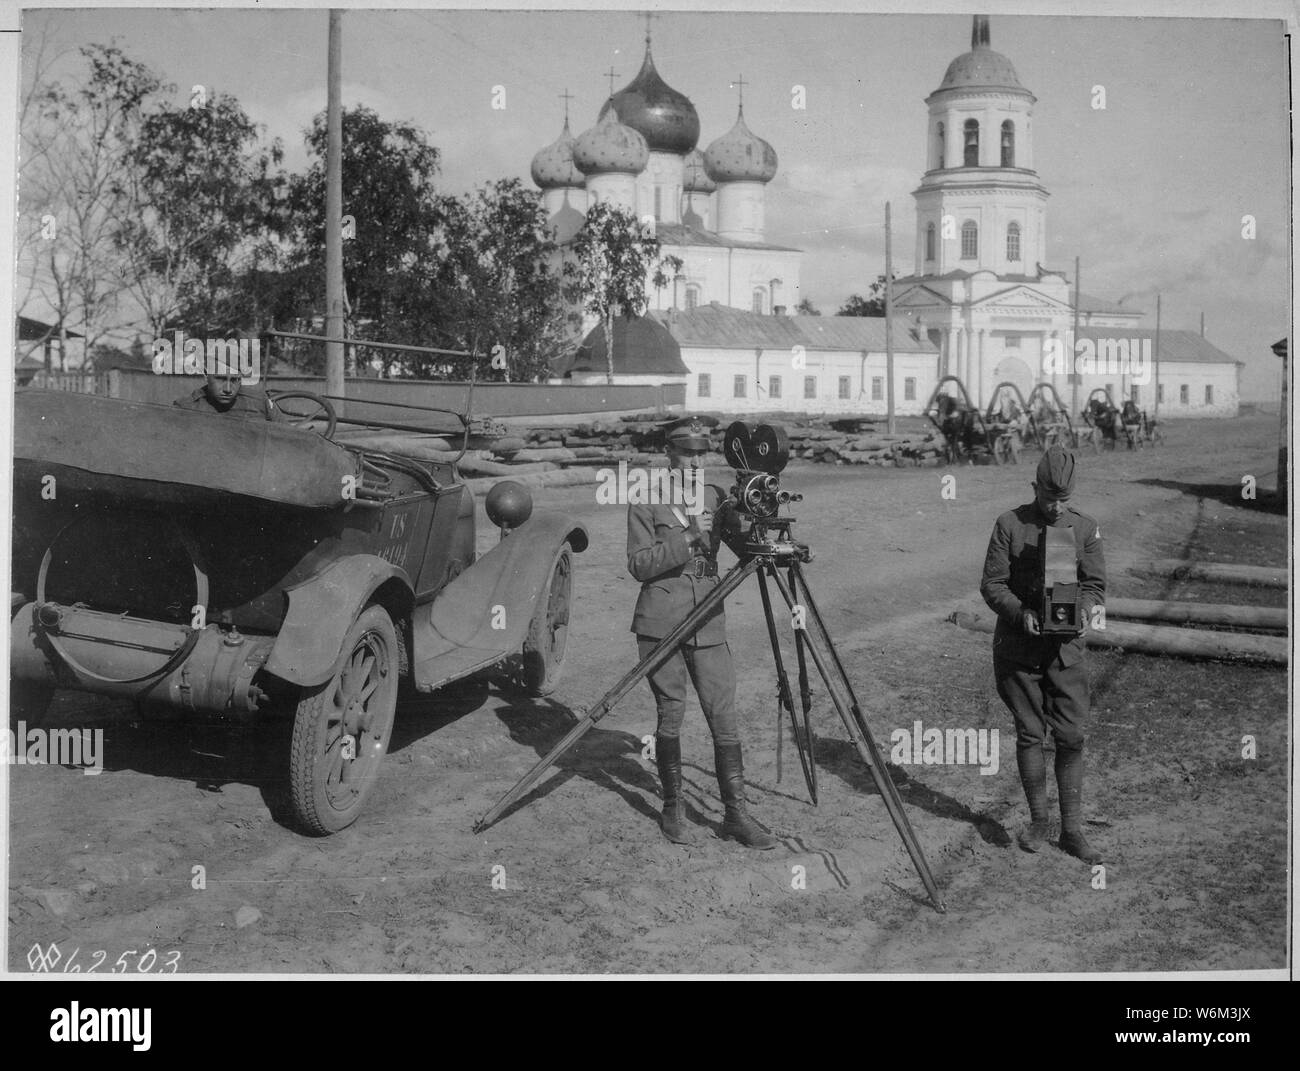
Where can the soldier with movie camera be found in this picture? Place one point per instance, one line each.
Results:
(675, 557)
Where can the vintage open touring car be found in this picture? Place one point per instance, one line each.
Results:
(220, 566)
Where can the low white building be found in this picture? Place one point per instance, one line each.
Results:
(1191, 376)
(743, 362)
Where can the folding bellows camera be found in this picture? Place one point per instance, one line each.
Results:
(1061, 609)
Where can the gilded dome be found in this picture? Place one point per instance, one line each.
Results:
(695, 179)
(610, 146)
(649, 105)
(553, 166)
(740, 156)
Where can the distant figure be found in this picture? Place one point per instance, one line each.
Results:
(1132, 419)
(957, 423)
(1104, 417)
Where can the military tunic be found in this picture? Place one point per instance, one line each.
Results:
(1042, 679)
(675, 577)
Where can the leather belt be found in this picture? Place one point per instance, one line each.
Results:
(700, 567)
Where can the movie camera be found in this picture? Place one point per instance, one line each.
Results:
(758, 453)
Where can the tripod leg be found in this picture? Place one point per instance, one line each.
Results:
(687, 628)
(785, 698)
(827, 660)
(805, 699)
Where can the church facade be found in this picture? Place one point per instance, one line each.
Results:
(980, 289)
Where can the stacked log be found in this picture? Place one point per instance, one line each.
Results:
(1165, 639)
(639, 439)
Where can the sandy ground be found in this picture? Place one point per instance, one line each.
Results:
(1195, 835)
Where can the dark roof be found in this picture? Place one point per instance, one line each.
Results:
(684, 234)
(727, 328)
(106, 358)
(30, 330)
(681, 234)
(1088, 303)
(1174, 345)
(642, 346)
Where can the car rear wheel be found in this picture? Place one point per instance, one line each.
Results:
(342, 727)
(548, 632)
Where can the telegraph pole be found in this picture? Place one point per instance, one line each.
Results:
(1155, 361)
(334, 211)
(889, 324)
(1074, 342)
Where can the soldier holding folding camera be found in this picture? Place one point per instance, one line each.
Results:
(1044, 606)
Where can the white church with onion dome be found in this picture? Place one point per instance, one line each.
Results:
(980, 304)
(708, 208)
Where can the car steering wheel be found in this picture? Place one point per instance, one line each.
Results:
(322, 403)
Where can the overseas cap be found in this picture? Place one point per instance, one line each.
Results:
(1056, 473)
(689, 434)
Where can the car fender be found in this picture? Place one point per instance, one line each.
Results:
(484, 613)
(511, 575)
(322, 609)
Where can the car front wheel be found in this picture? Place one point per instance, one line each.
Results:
(341, 728)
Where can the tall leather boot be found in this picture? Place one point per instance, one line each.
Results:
(668, 756)
(1069, 783)
(1033, 776)
(737, 824)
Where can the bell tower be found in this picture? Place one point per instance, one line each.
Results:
(980, 206)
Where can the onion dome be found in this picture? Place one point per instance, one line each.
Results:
(981, 67)
(740, 156)
(553, 167)
(695, 179)
(566, 223)
(609, 146)
(649, 105)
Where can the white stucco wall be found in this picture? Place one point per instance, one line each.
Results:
(730, 276)
(825, 368)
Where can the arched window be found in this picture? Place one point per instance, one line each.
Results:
(692, 297)
(1013, 241)
(970, 240)
(929, 242)
(972, 143)
(759, 295)
(939, 157)
(1008, 144)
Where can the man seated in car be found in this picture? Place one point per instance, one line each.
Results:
(226, 393)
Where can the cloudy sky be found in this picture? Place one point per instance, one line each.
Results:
(1150, 192)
